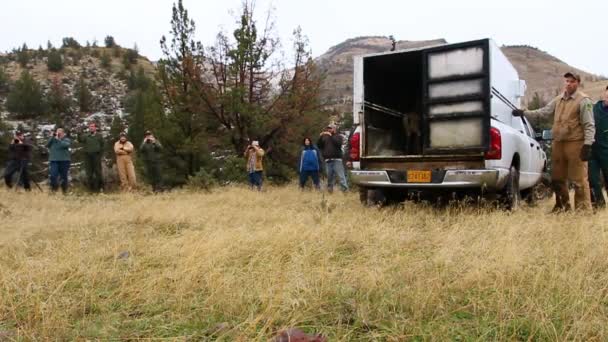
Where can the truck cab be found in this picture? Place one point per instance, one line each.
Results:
(437, 120)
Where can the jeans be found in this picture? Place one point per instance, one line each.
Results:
(59, 170)
(335, 168)
(92, 167)
(255, 179)
(20, 166)
(312, 174)
(598, 167)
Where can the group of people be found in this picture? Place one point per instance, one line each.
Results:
(313, 159)
(579, 153)
(580, 145)
(60, 156)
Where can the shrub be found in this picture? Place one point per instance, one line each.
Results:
(55, 61)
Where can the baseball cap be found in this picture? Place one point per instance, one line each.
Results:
(573, 75)
(147, 132)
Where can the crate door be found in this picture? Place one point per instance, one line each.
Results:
(456, 107)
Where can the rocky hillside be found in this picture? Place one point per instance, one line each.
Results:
(542, 71)
(106, 81)
(337, 63)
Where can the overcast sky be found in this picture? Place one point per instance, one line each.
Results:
(574, 31)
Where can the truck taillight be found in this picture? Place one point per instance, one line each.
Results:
(354, 146)
(495, 151)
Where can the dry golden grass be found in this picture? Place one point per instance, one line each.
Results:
(236, 265)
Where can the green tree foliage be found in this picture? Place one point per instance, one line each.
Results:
(69, 42)
(130, 57)
(106, 60)
(109, 42)
(84, 96)
(5, 138)
(23, 56)
(58, 103)
(26, 99)
(55, 61)
(186, 131)
(242, 96)
(4, 81)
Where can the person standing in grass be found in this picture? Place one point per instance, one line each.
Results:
(330, 145)
(598, 164)
(59, 160)
(151, 153)
(93, 153)
(20, 154)
(310, 164)
(124, 163)
(254, 155)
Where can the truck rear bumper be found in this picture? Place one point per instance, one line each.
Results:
(490, 179)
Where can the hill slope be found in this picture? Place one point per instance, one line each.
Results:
(108, 85)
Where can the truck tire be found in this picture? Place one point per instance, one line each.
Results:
(363, 195)
(511, 195)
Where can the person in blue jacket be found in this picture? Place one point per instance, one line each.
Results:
(310, 164)
(59, 160)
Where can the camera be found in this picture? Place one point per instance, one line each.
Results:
(148, 141)
(16, 141)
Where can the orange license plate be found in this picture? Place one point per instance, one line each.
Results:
(419, 176)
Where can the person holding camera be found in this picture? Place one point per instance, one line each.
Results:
(20, 154)
(124, 163)
(59, 160)
(151, 153)
(93, 152)
(330, 144)
(254, 155)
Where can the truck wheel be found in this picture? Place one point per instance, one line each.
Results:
(511, 195)
(363, 195)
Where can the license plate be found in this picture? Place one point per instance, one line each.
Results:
(419, 176)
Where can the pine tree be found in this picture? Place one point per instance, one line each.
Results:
(69, 42)
(178, 69)
(54, 61)
(106, 60)
(23, 56)
(84, 96)
(4, 81)
(58, 103)
(109, 42)
(26, 98)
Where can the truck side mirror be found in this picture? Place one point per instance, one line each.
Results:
(547, 135)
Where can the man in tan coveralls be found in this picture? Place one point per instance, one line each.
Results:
(124, 163)
(573, 135)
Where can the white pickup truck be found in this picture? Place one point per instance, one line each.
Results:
(436, 121)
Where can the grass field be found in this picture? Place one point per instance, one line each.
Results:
(236, 265)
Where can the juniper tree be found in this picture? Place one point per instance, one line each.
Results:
(25, 98)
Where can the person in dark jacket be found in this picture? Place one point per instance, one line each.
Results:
(330, 144)
(93, 146)
(598, 163)
(150, 151)
(20, 154)
(59, 160)
(310, 164)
